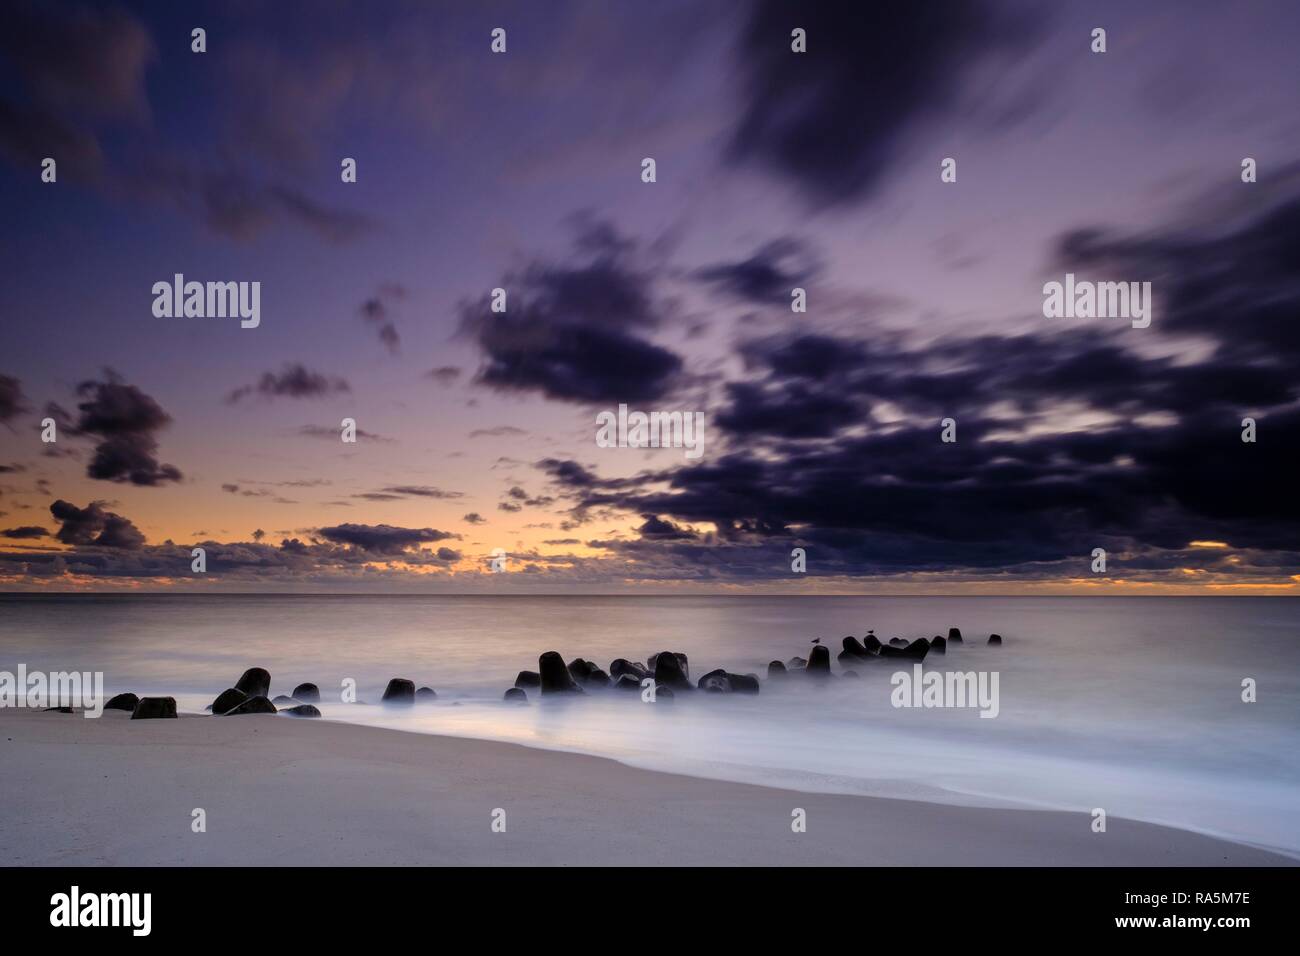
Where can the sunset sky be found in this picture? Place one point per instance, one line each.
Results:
(522, 170)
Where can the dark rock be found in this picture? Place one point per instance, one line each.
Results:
(939, 645)
(302, 710)
(254, 705)
(596, 678)
(995, 640)
(664, 695)
(122, 702)
(63, 709)
(579, 669)
(871, 644)
(819, 661)
(897, 642)
(426, 694)
(627, 682)
(307, 693)
(256, 682)
(715, 681)
(743, 683)
(854, 647)
(555, 675)
(528, 679)
(681, 660)
(152, 707)
(281, 700)
(916, 650)
(228, 698)
(623, 666)
(516, 695)
(399, 691)
(670, 670)
(954, 635)
(796, 663)
(776, 669)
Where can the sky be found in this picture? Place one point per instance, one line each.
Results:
(774, 170)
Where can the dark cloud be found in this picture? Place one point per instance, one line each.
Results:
(294, 380)
(398, 492)
(12, 401)
(498, 431)
(332, 434)
(834, 120)
(766, 277)
(445, 374)
(124, 421)
(576, 331)
(474, 518)
(376, 311)
(382, 538)
(92, 525)
(25, 532)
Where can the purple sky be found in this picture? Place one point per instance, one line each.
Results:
(522, 170)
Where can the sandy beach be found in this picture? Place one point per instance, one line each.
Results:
(279, 791)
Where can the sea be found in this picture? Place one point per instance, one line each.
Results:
(1132, 705)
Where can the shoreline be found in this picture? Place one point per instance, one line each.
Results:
(278, 791)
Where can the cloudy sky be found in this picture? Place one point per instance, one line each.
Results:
(522, 170)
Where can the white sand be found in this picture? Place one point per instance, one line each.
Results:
(280, 791)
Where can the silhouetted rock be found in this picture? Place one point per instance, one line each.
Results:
(228, 698)
(148, 708)
(939, 645)
(596, 678)
(819, 661)
(580, 669)
(954, 635)
(854, 647)
(995, 640)
(515, 695)
(60, 709)
(528, 679)
(256, 682)
(796, 664)
(915, 651)
(307, 693)
(122, 702)
(426, 694)
(664, 695)
(254, 705)
(283, 700)
(670, 670)
(627, 682)
(871, 644)
(555, 675)
(302, 710)
(897, 642)
(399, 691)
(776, 669)
(623, 666)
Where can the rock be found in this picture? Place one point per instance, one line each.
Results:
(227, 699)
(854, 647)
(555, 675)
(796, 663)
(819, 661)
(399, 691)
(528, 679)
(897, 642)
(256, 682)
(515, 695)
(307, 693)
(596, 678)
(995, 640)
(681, 660)
(954, 635)
(776, 669)
(627, 682)
(623, 666)
(153, 707)
(916, 650)
(62, 709)
(744, 683)
(281, 700)
(670, 670)
(939, 645)
(871, 644)
(664, 695)
(715, 681)
(426, 694)
(254, 705)
(580, 669)
(302, 710)
(122, 702)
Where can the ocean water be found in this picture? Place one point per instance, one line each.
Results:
(1128, 704)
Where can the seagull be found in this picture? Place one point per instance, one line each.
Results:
(816, 640)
